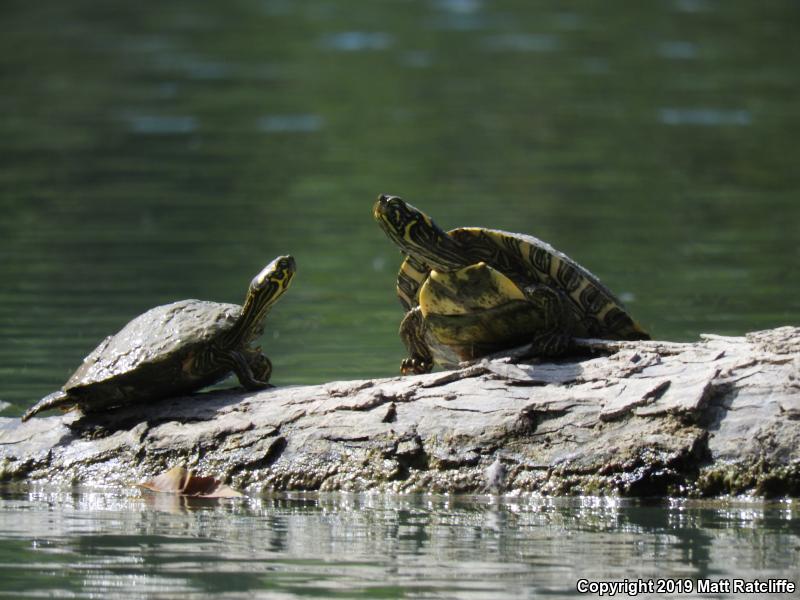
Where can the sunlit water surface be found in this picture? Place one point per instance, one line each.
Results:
(105, 545)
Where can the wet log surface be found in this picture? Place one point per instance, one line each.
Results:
(714, 417)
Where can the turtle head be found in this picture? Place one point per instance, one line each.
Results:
(274, 279)
(416, 234)
(265, 289)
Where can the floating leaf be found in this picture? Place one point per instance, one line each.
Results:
(180, 481)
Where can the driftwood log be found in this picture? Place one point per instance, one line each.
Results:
(719, 416)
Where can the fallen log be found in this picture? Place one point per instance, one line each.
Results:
(719, 416)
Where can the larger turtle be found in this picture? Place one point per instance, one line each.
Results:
(176, 349)
(472, 291)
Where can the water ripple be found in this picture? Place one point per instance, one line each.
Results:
(694, 6)
(290, 123)
(459, 6)
(522, 42)
(357, 41)
(677, 49)
(709, 117)
(161, 124)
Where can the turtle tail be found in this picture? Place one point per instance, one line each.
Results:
(55, 400)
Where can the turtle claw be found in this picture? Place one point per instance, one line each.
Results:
(550, 345)
(415, 366)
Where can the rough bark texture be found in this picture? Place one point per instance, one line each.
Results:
(718, 416)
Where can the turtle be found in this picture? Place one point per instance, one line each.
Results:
(473, 291)
(176, 349)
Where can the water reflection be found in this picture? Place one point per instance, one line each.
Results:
(358, 544)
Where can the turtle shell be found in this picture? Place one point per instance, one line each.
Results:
(527, 260)
(157, 354)
(475, 311)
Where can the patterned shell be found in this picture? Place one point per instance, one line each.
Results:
(527, 260)
(153, 337)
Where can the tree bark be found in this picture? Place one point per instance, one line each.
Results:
(719, 416)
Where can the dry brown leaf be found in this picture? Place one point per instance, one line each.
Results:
(180, 481)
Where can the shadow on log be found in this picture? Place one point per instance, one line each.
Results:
(720, 416)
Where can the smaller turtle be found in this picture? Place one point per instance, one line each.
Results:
(176, 349)
(472, 291)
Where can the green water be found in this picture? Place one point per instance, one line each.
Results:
(150, 153)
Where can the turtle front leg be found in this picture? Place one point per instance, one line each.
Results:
(412, 329)
(554, 339)
(260, 365)
(252, 368)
